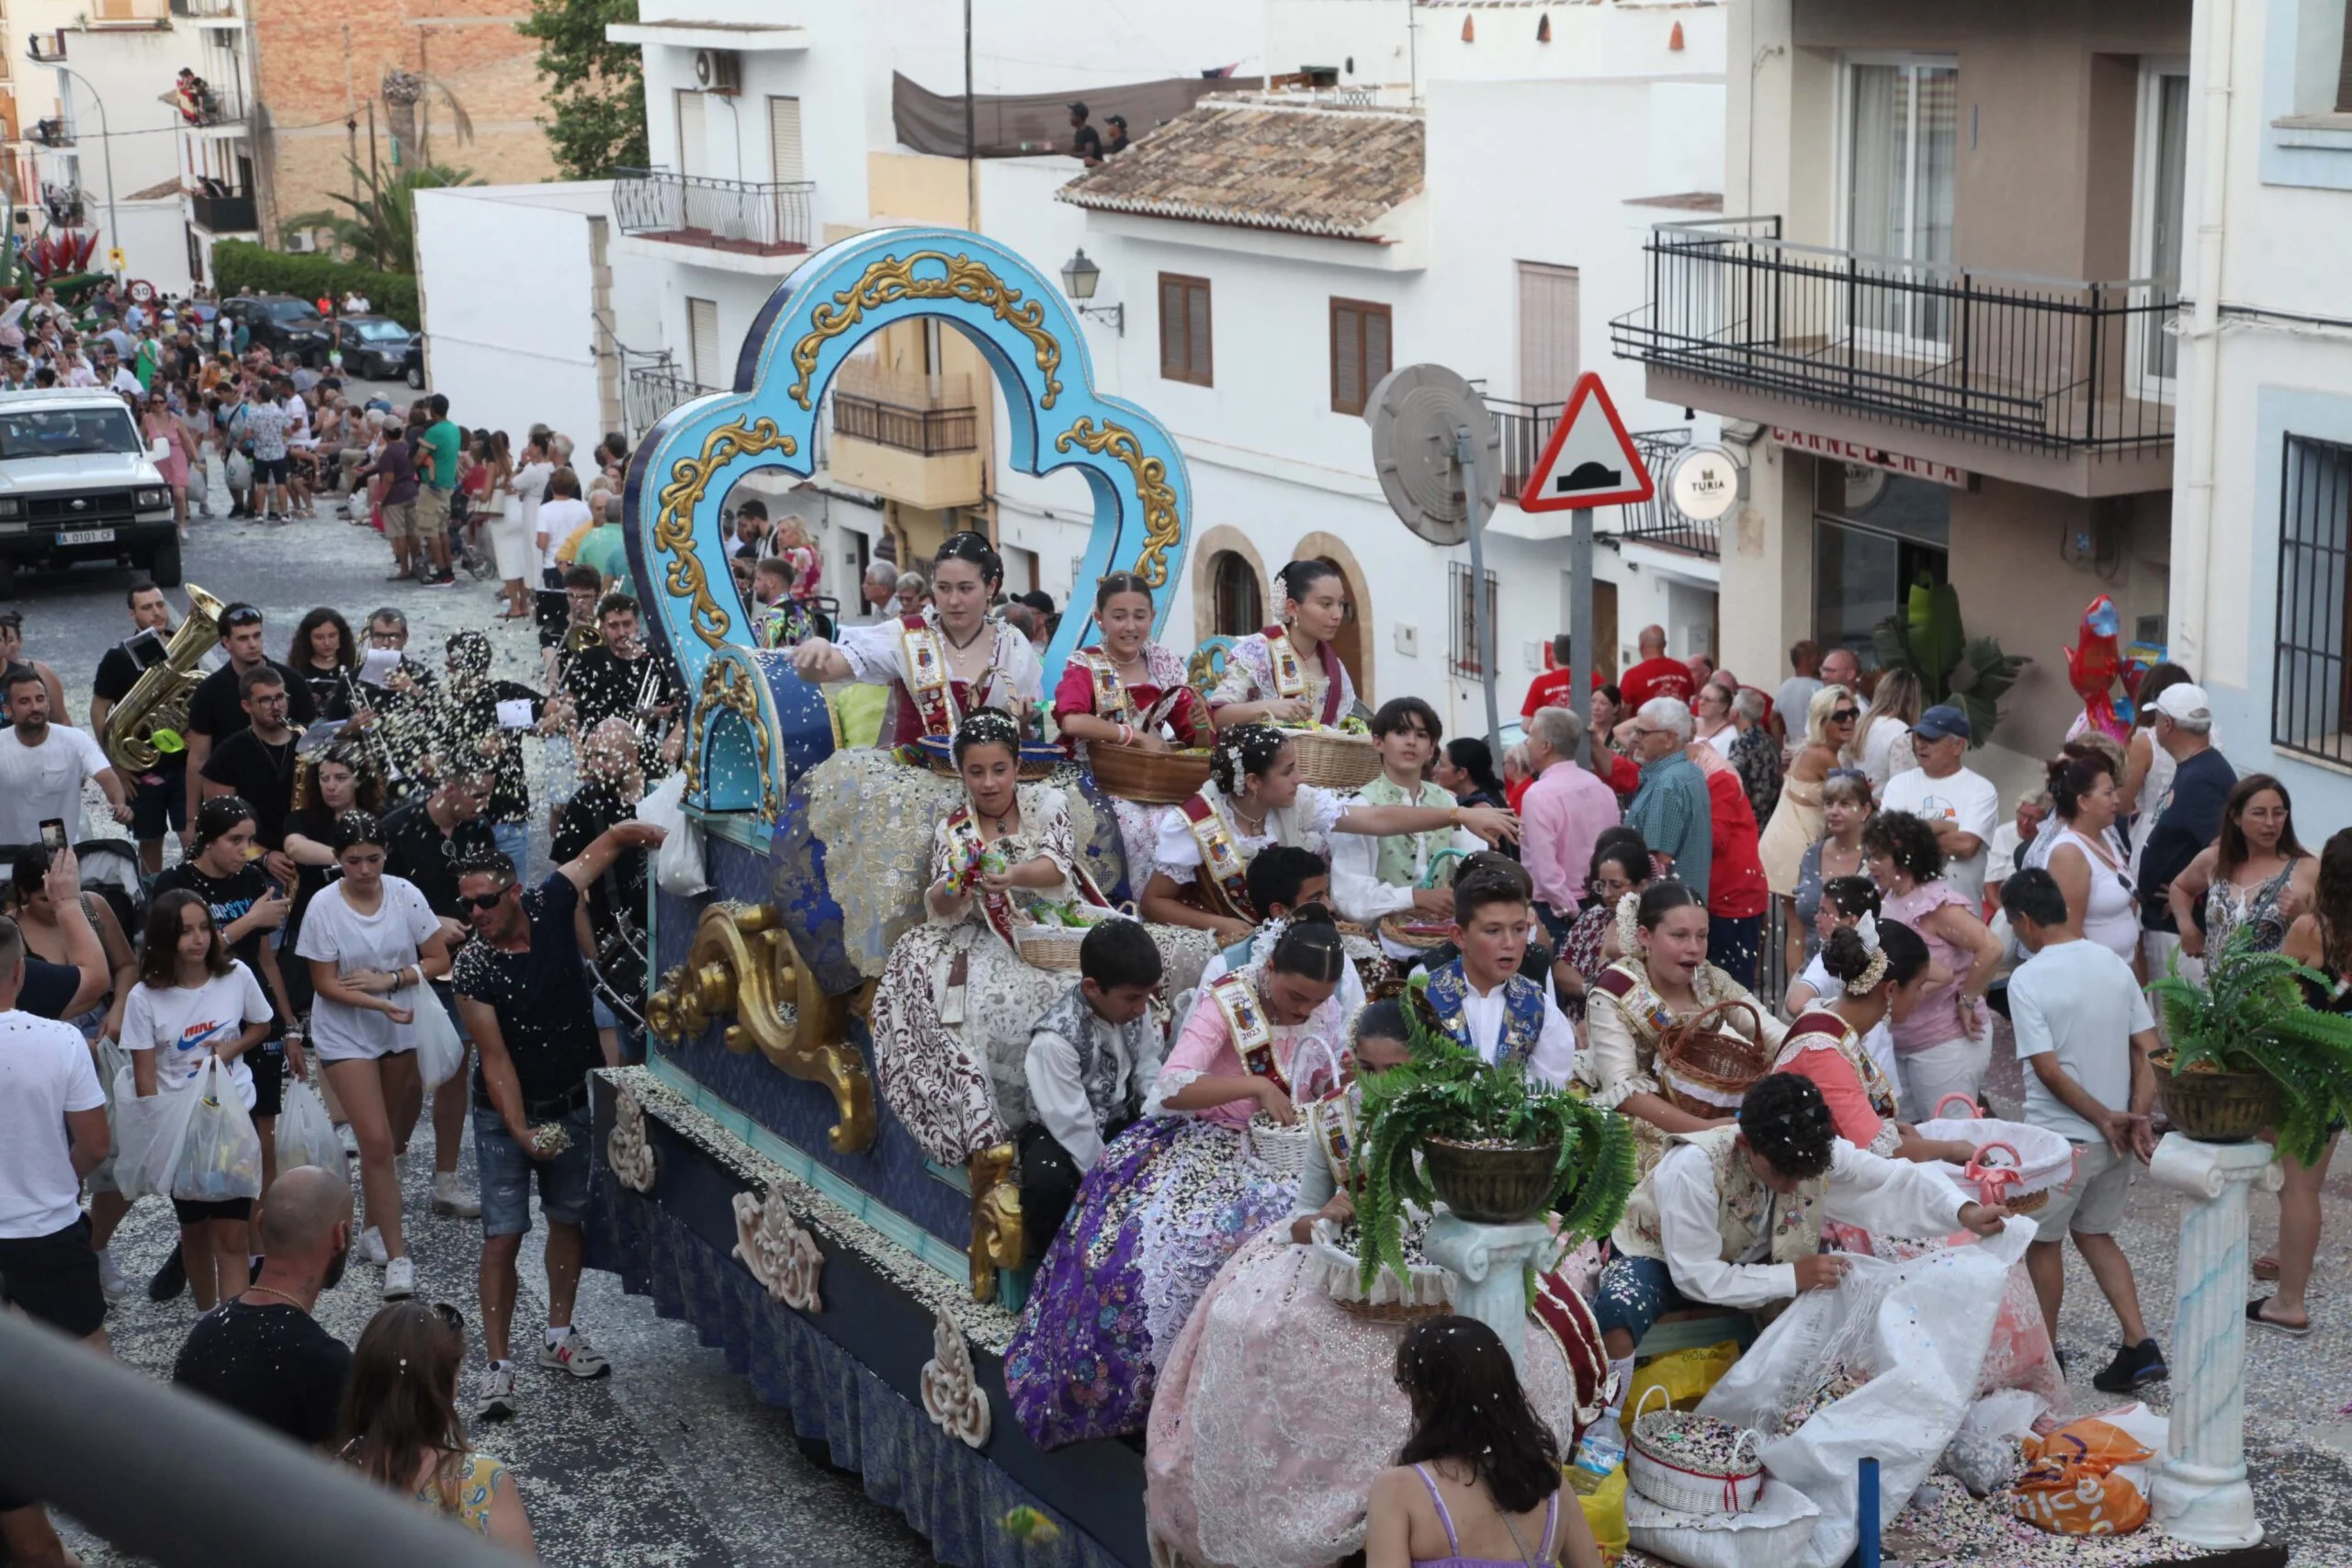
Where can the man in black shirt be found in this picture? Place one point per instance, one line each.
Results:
(1085, 141)
(1118, 142)
(622, 679)
(612, 785)
(474, 736)
(257, 763)
(159, 796)
(525, 999)
(217, 710)
(263, 1355)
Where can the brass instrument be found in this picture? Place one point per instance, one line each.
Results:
(158, 701)
(580, 636)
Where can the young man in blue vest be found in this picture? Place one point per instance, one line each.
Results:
(1481, 999)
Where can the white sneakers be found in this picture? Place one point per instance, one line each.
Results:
(496, 1402)
(111, 1280)
(400, 1279)
(449, 1198)
(372, 1246)
(574, 1354)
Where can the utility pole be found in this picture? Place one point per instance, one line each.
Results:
(971, 156)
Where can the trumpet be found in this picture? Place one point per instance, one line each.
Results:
(147, 723)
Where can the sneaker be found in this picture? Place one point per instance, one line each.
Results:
(496, 1399)
(169, 1280)
(448, 1198)
(2134, 1366)
(400, 1279)
(111, 1278)
(350, 1140)
(574, 1354)
(371, 1247)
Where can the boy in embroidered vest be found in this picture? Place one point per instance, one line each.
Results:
(1732, 1216)
(1281, 881)
(1482, 1000)
(1092, 1060)
(1374, 877)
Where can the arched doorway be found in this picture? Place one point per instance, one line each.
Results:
(1239, 603)
(1353, 645)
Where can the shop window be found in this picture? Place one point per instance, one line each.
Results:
(2311, 698)
(1874, 535)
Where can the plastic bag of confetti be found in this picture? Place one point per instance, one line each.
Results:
(677, 865)
(1916, 1332)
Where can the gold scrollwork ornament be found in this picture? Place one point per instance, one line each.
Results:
(674, 525)
(892, 279)
(1163, 528)
(742, 963)
(999, 1239)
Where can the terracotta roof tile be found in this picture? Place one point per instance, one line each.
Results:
(1311, 171)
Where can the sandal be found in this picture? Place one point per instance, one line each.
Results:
(2291, 1330)
(2266, 1267)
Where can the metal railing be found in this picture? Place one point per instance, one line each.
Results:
(1524, 427)
(49, 48)
(2048, 364)
(52, 132)
(738, 215)
(217, 105)
(653, 392)
(928, 416)
(231, 214)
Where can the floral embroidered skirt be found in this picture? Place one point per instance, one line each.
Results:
(1168, 1203)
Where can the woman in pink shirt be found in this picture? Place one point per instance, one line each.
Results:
(1946, 1044)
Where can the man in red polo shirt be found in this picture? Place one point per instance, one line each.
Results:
(1656, 675)
(1551, 688)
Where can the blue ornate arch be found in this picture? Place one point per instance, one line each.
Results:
(773, 724)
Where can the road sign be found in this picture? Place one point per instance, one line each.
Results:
(1703, 483)
(1589, 461)
(116, 261)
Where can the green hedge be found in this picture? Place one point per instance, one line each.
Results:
(241, 264)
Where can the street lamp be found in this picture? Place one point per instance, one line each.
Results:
(1080, 277)
(106, 141)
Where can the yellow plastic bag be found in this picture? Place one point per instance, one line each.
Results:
(1686, 1375)
(1604, 1513)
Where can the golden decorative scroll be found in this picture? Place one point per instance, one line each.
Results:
(727, 683)
(743, 963)
(674, 525)
(1162, 528)
(998, 1239)
(892, 279)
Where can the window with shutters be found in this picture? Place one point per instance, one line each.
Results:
(1241, 602)
(702, 342)
(784, 141)
(1362, 353)
(2312, 668)
(1184, 330)
(1462, 645)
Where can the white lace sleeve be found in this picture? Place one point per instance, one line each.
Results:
(1318, 810)
(1248, 674)
(875, 655)
(1177, 853)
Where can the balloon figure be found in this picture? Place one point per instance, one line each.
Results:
(2092, 666)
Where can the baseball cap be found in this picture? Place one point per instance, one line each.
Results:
(1078, 107)
(1942, 722)
(2186, 704)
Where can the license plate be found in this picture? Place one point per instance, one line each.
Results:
(86, 537)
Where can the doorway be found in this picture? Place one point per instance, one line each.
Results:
(1901, 145)
(1604, 624)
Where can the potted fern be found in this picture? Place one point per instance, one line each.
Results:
(2247, 1051)
(1494, 1146)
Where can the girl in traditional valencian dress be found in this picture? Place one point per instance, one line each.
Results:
(952, 1013)
(1177, 1194)
(1123, 691)
(1288, 674)
(1882, 972)
(1254, 798)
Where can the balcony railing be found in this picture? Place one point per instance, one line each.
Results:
(653, 392)
(1525, 427)
(726, 215)
(928, 416)
(212, 104)
(2043, 363)
(229, 213)
(64, 205)
(52, 132)
(49, 48)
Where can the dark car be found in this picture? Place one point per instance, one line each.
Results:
(378, 348)
(292, 330)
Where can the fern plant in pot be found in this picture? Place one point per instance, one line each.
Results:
(2248, 1051)
(1494, 1146)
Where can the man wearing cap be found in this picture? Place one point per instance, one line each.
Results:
(1118, 142)
(1960, 804)
(2191, 818)
(1085, 141)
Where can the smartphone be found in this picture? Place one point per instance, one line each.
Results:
(53, 834)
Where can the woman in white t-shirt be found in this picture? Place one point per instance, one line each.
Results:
(194, 1002)
(368, 937)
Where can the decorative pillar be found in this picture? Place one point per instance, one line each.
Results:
(1489, 1268)
(2200, 1496)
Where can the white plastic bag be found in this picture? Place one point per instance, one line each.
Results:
(440, 1054)
(149, 1135)
(112, 1062)
(222, 1160)
(306, 1133)
(677, 865)
(1919, 1330)
(1775, 1530)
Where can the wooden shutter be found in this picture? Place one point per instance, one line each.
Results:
(1550, 351)
(784, 141)
(702, 334)
(1184, 338)
(1360, 352)
(694, 148)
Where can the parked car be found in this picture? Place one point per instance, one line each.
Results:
(77, 484)
(291, 329)
(378, 348)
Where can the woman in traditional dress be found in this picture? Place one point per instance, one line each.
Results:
(1795, 822)
(1882, 972)
(953, 1013)
(1240, 1470)
(1288, 674)
(1126, 690)
(1254, 798)
(1176, 1195)
(1621, 864)
(1663, 980)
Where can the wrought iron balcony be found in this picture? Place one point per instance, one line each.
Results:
(653, 392)
(2039, 364)
(743, 216)
(926, 415)
(1525, 427)
(47, 49)
(227, 213)
(52, 132)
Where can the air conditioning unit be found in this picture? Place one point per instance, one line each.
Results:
(719, 70)
(302, 241)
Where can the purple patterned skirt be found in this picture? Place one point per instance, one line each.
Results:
(1170, 1201)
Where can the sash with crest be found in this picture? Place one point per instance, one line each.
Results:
(1221, 862)
(1253, 1032)
(1112, 703)
(1449, 992)
(1646, 1015)
(997, 909)
(929, 682)
(1290, 675)
(1334, 1124)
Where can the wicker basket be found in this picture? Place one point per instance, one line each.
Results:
(1706, 1070)
(1330, 760)
(1151, 778)
(1398, 928)
(1049, 947)
(1490, 1187)
(1282, 1149)
(1668, 1480)
(2216, 1108)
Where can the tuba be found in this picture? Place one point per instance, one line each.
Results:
(147, 722)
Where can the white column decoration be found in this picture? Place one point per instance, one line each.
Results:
(1489, 1267)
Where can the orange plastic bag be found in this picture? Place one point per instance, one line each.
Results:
(2089, 1440)
(2080, 1497)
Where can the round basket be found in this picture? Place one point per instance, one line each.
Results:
(1282, 1149)
(1151, 778)
(1706, 1070)
(1400, 928)
(1038, 758)
(2040, 1160)
(1490, 1186)
(1049, 947)
(1330, 760)
(1669, 1476)
(2216, 1108)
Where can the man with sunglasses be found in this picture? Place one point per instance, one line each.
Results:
(523, 994)
(217, 709)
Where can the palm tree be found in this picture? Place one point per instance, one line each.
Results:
(379, 228)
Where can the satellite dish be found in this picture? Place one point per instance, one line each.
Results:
(1417, 414)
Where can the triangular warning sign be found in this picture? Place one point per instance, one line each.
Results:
(1589, 461)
